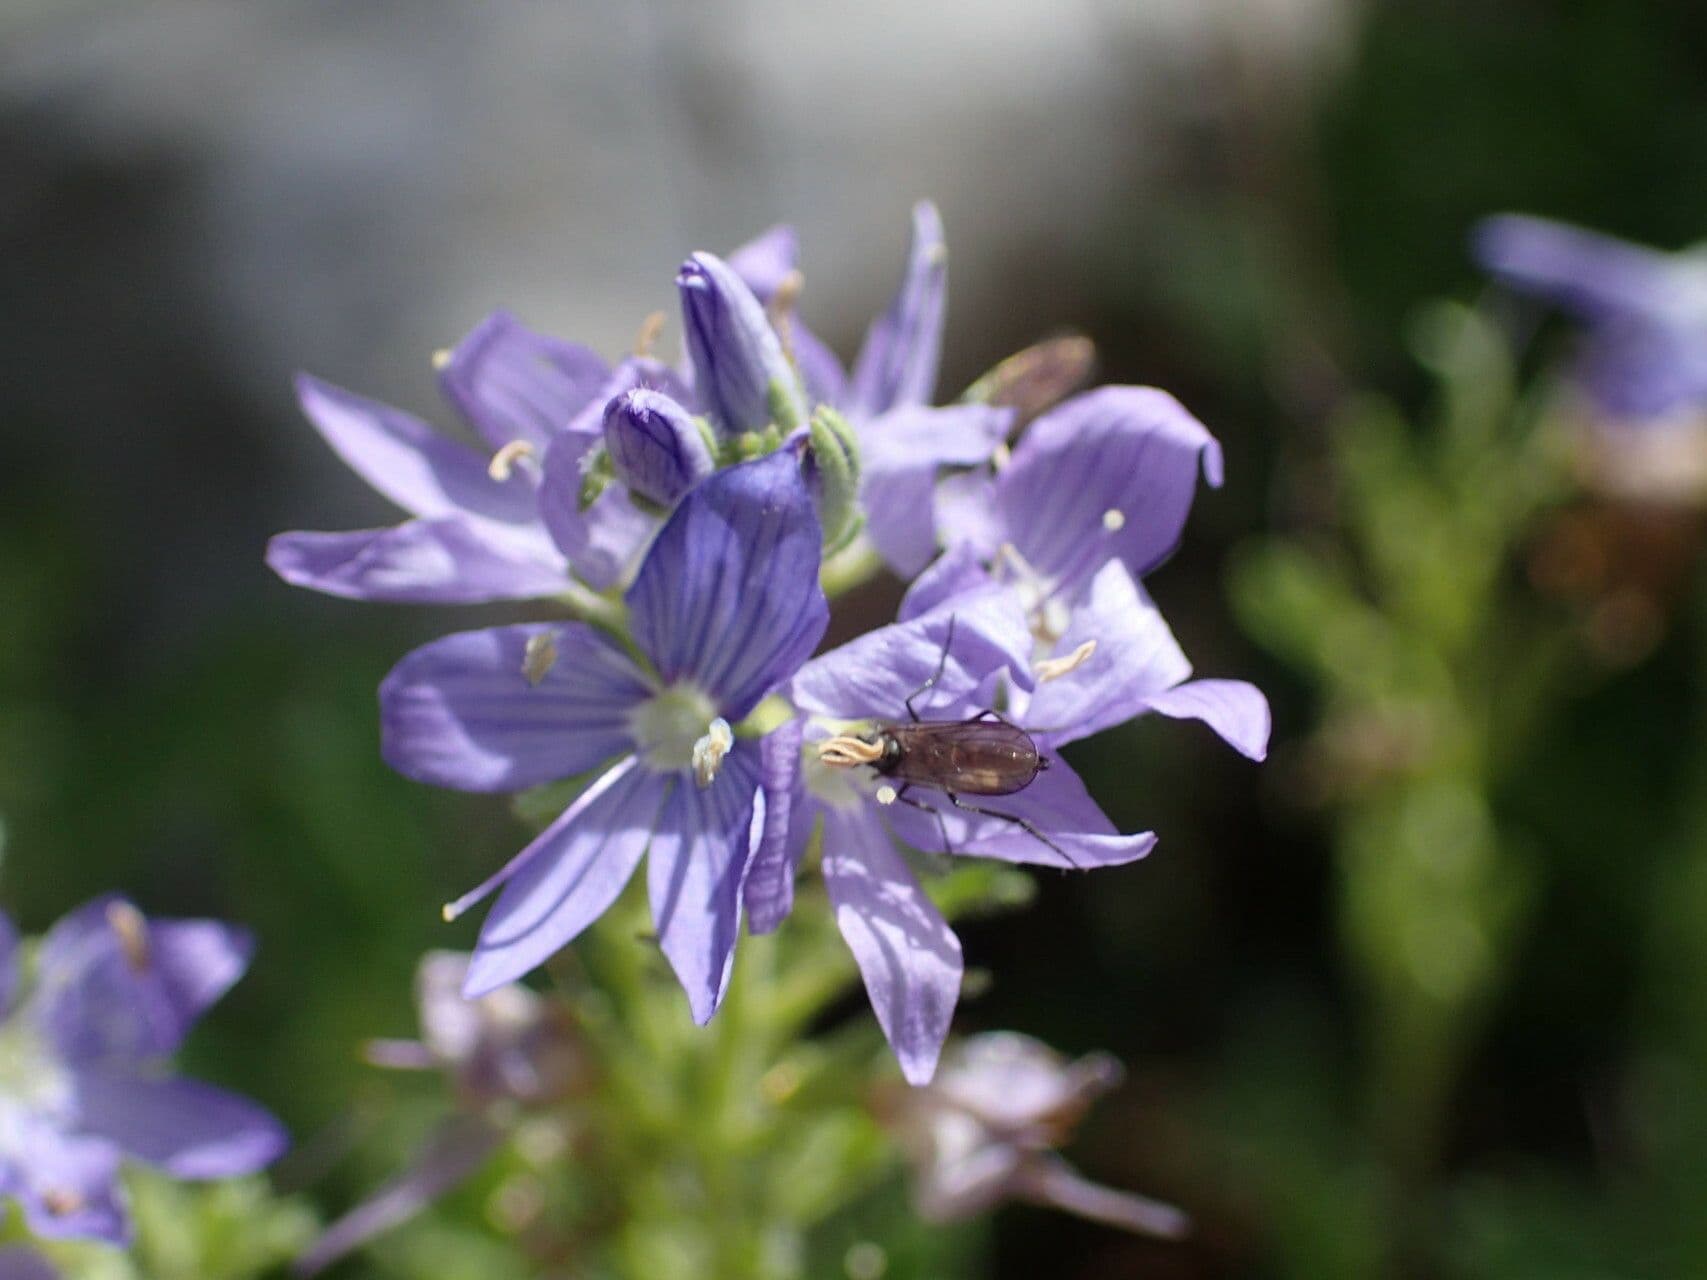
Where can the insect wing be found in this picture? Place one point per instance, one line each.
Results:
(971, 757)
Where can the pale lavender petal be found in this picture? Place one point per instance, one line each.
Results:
(768, 894)
(1107, 475)
(1593, 275)
(743, 378)
(907, 954)
(698, 860)
(1234, 709)
(67, 1185)
(1080, 836)
(449, 560)
(966, 1181)
(1016, 1085)
(461, 712)
(189, 1129)
(19, 1263)
(872, 676)
(512, 383)
(901, 453)
(407, 461)
(457, 1149)
(604, 541)
(567, 877)
(1136, 658)
(956, 572)
(898, 363)
(728, 596)
(1048, 1180)
(966, 511)
(764, 261)
(103, 995)
(820, 371)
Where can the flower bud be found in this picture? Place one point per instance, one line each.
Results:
(834, 473)
(654, 446)
(742, 375)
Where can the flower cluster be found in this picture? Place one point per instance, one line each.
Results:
(85, 1033)
(686, 515)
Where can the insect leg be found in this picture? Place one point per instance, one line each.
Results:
(941, 666)
(941, 826)
(1024, 824)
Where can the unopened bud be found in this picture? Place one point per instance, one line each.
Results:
(654, 446)
(740, 369)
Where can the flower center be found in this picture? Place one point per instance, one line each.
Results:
(677, 730)
(31, 1076)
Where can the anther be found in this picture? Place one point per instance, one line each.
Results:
(62, 1202)
(128, 924)
(503, 462)
(1114, 520)
(886, 795)
(539, 657)
(441, 358)
(709, 751)
(937, 254)
(1055, 668)
(651, 329)
(780, 310)
(1002, 456)
(845, 751)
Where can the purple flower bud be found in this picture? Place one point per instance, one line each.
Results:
(655, 447)
(740, 371)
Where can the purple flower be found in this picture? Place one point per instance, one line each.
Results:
(475, 532)
(725, 607)
(1107, 475)
(509, 1048)
(81, 1054)
(18, 1263)
(908, 956)
(1644, 352)
(986, 1129)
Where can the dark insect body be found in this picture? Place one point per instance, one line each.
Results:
(977, 757)
(983, 755)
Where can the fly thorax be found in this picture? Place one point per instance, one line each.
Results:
(679, 730)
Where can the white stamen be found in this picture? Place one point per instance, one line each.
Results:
(132, 930)
(1002, 456)
(1054, 668)
(937, 254)
(709, 751)
(539, 657)
(886, 794)
(651, 329)
(442, 358)
(1114, 520)
(780, 310)
(503, 462)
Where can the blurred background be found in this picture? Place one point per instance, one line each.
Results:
(1244, 203)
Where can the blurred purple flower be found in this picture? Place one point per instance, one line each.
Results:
(1643, 356)
(507, 1049)
(986, 1129)
(19, 1263)
(82, 1051)
(725, 608)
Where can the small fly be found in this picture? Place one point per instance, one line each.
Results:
(982, 755)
